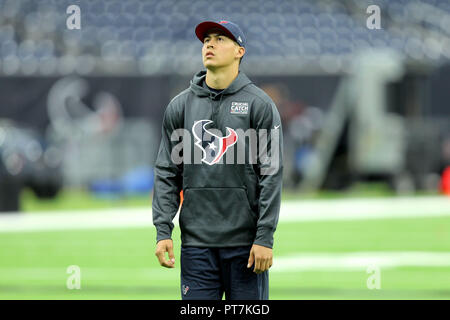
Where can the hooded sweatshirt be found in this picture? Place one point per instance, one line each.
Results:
(226, 202)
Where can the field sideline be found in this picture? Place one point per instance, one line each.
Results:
(323, 249)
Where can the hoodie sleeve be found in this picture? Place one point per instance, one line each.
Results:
(168, 177)
(269, 171)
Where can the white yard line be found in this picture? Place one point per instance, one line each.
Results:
(352, 261)
(360, 261)
(303, 210)
(71, 220)
(372, 208)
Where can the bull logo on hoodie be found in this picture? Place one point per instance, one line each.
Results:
(213, 147)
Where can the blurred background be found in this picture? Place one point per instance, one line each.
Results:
(366, 125)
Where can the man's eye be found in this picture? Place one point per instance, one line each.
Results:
(206, 40)
(220, 38)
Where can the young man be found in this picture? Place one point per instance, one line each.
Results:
(230, 208)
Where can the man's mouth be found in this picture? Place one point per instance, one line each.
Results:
(209, 54)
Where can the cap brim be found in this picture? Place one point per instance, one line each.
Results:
(203, 27)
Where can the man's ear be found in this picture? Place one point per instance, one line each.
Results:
(241, 52)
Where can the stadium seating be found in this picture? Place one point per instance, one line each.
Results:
(138, 30)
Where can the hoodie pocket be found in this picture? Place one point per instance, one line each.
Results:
(217, 216)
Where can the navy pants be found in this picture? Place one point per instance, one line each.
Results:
(208, 273)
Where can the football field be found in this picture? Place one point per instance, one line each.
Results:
(324, 249)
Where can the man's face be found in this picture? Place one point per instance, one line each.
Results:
(219, 50)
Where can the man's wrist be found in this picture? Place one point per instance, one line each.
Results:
(264, 237)
(163, 232)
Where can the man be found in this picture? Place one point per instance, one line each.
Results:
(230, 208)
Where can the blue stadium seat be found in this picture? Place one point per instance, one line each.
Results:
(274, 20)
(143, 48)
(178, 22)
(114, 7)
(397, 43)
(44, 49)
(308, 20)
(128, 49)
(360, 34)
(6, 33)
(110, 49)
(272, 48)
(183, 7)
(106, 34)
(235, 7)
(310, 33)
(325, 20)
(255, 48)
(158, 21)
(124, 20)
(343, 33)
(292, 20)
(148, 8)
(343, 21)
(96, 7)
(26, 49)
(162, 33)
(125, 33)
(328, 35)
(217, 7)
(141, 20)
(8, 48)
(378, 38)
(164, 8)
(305, 7)
(142, 34)
(132, 7)
(310, 48)
(290, 34)
(343, 47)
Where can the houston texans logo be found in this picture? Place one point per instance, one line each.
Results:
(212, 146)
(185, 289)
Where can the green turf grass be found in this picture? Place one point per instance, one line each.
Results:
(120, 263)
(80, 199)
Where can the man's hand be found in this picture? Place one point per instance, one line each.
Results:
(162, 247)
(262, 257)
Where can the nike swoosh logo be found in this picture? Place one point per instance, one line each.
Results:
(276, 127)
